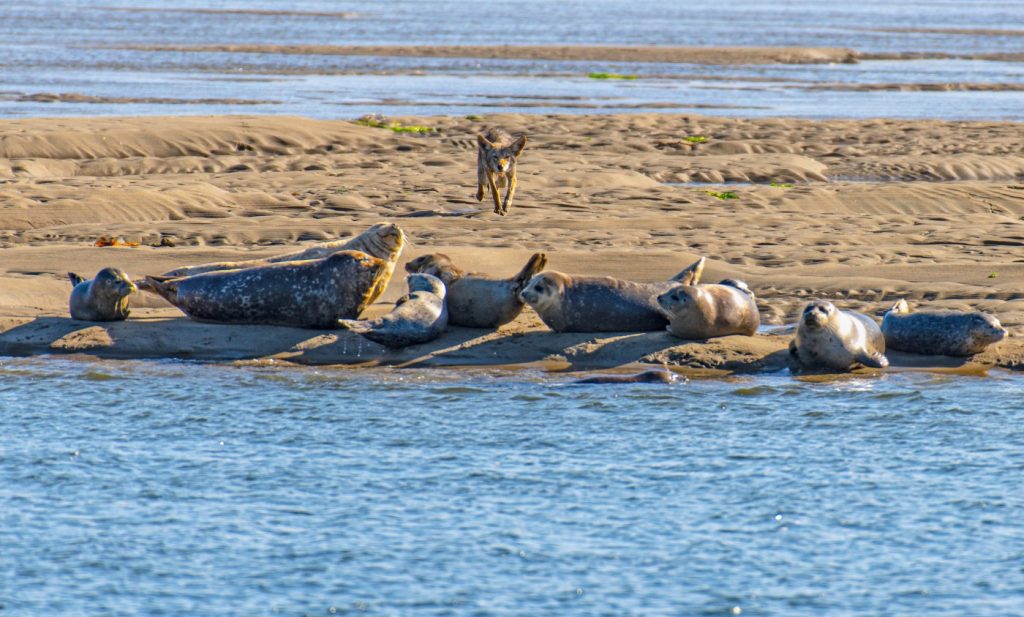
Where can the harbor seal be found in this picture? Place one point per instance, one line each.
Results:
(827, 337)
(420, 317)
(477, 300)
(104, 298)
(384, 241)
(308, 294)
(662, 375)
(941, 333)
(706, 311)
(600, 304)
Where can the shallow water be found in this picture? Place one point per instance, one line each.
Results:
(75, 48)
(178, 488)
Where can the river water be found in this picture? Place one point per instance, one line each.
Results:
(143, 488)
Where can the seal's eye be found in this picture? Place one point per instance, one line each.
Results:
(538, 287)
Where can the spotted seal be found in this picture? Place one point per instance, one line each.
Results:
(477, 300)
(420, 317)
(104, 298)
(662, 375)
(309, 294)
(829, 338)
(941, 333)
(706, 311)
(384, 241)
(600, 303)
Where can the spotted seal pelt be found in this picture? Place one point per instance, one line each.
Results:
(477, 300)
(419, 317)
(706, 311)
(662, 375)
(309, 294)
(103, 298)
(829, 338)
(384, 241)
(600, 304)
(940, 333)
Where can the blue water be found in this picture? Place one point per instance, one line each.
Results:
(130, 488)
(77, 47)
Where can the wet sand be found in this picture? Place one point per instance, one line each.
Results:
(862, 213)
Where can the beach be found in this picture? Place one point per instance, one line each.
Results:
(861, 213)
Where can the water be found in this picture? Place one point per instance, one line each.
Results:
(77, 48)
(177, 488)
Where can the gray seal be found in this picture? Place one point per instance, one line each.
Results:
(104, 298)
(600, 304)
(828, 338)
(477, 300)
(706, 311)
(940, 333)
(419, 317)
(662, 375)
(307, 294)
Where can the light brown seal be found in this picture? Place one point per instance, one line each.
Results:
(706, 311)
(384, 241)
(419, 317)
(940, 333)
(600, 304)
(477, 300)
(104, 298)
(829, 338)
(308, 294)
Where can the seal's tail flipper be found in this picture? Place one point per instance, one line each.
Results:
(872, 360)
(163, 286)
(691, 274)
(355, 325)
(75, 279)
(532, 268)
(900, 307)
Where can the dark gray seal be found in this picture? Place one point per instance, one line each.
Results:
(829, 338)
(104, 298)
(940, 333)
(706, 311)
(600, 303)
(651, 376)
(419, 317)
(307, 294)
(477, 300)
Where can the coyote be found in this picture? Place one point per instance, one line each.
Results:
(496, 166)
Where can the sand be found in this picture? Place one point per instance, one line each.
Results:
(862, 213)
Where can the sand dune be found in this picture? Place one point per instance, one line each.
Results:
(861, 212)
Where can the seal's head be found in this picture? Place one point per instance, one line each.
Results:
(986, 329)
(434, 264)
(113, 283)
(678, 299)
(383, 241)
(817, 314)
(543, 290)
(426, 282)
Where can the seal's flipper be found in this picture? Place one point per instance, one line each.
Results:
(872, 360)
(691, 274)
(900, 307)
(164, 286)
(738, 284)
(792, 348)
(358, 326)
(532, 268)
(75, 279)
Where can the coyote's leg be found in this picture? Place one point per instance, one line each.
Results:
(511, 191)
(494, 193)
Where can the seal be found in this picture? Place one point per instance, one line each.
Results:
(707, 311)
(940, 333)
(420, 317)
(662, 375)
(104, 298)
(477, 300)
(829, 338)
(384, 241)
(308, 294)
(600, 303)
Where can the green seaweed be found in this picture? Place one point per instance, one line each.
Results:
(474, 118)
(993, 275)
(396, 127)
(610, 76)
(695, 139)
(781, 185)
(723, 195)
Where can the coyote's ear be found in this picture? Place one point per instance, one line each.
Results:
(480, 139)
(519, 144)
